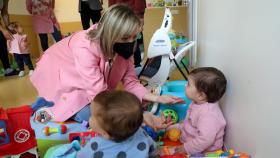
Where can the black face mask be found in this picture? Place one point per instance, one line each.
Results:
(124, 49)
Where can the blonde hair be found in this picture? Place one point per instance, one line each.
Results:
(117, 22)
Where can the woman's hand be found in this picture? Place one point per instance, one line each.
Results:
(168, 99)
(156, 122)
(8, 35)
(164, 99)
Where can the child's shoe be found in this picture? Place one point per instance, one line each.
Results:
(21, 74)
(30, 72)
(10, 72)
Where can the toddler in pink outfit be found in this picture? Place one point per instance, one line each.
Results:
(203, 129)
(19, 47)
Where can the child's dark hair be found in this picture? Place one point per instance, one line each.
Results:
(13, 26)
(119, 114)
(211, 81)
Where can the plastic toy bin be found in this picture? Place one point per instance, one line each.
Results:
(45, 142)
(175, 88)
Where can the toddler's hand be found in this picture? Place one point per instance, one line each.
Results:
(156, 122)
(180, 150)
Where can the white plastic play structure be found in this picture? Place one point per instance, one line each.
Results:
(162, 60)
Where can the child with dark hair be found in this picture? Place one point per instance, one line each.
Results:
(203, 129)
(117, 117)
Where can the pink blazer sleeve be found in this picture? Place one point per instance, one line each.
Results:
(208, 128)
(87, 64)
(131, 83)
(29, 6)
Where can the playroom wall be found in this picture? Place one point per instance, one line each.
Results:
(242, 39)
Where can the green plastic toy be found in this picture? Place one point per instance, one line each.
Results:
(172, 113)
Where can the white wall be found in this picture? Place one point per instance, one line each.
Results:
(242, 38)
(65, 10)
(17, 7)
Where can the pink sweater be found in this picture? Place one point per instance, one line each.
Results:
(19, 44)
(203, 128)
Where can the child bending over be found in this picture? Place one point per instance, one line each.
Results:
(203, 128)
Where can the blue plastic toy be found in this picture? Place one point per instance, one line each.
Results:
(181, 39)
(4, 138)
(41, 102)
(175, 88)
(150, 132)
(65, 150)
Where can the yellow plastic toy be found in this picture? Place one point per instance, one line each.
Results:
(219, 152)
(173, 134)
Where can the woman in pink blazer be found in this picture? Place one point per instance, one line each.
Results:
(73, 71)
(44, 20)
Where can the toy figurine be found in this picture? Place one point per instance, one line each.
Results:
(173, 134)
(170, 113)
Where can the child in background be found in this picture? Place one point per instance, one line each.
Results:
(203, 129)
(19, 47)
(116, 117)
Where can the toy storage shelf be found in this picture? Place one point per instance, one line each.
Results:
(153, 20)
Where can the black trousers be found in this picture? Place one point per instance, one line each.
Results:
(4, 51)
(44, 38)
(87, 14)
(137, 53)
(22, 59)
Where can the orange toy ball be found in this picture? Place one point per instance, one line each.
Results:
(174, 134)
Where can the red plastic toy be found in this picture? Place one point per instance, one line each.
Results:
(82, 137)
(174, 156)
(16, 134)
(62, 129)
